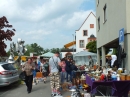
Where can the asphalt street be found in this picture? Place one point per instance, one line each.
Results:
(39, 90)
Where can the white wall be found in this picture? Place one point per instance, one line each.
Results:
(86, 26)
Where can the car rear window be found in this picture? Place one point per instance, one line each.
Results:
(8, 67)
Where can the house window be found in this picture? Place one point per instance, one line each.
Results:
(97, 2)
(91, 25)
(104, 13)
(81, 43)
(85, 32)
(99, 23)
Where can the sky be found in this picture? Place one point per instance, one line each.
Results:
(49, 23)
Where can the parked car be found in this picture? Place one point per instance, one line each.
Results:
(8, 74)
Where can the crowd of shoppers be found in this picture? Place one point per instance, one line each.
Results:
(67, 73)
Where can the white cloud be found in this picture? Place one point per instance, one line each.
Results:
(35, 12)
(50, 23)
(78, 18)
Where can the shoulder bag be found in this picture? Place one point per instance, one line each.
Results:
(22, 75)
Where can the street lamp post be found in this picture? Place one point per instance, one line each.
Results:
(73, 43)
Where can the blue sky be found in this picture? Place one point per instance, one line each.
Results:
(49, 23)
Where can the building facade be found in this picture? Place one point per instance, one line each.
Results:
(87, 29)
(111, 17)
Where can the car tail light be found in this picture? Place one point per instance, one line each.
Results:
(5, 73)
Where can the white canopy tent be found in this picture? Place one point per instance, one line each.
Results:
(48, 55)
(81, 58)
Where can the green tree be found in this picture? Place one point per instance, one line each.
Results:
(37, 48)
(29, 50)
(8, 53)
(46, 50)
(53, 50)
(92, 46)
(33, 48)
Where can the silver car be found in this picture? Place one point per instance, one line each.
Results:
(8, 74)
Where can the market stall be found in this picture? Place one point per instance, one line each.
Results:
(81, 58)
(116, 88)
(103, 81)
(47, 55)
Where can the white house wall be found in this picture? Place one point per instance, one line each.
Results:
(86, 26)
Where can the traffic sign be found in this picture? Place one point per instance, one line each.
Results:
(121, 36)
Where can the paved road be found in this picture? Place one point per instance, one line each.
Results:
(7, 88)
(39, 90)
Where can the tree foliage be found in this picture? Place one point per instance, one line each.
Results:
(5, 34)
(37, 50)
(53, 50)
(33, 48)
(46, 50)
(92, 46)
(15, 53)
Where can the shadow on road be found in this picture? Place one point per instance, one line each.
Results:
(10, 87)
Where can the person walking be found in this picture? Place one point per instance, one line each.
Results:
(91, 62)
(73, 69)
(43, 69)
(28, 68)
(54, 74)
(63, 72)
(46, 65)
(68, 70)
(34, 70)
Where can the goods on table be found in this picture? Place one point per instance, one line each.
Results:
(127, 77)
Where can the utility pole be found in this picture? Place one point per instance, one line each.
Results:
(73, 43)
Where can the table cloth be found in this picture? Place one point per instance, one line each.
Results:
(121, 87)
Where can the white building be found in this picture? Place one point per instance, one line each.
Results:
(83, 34)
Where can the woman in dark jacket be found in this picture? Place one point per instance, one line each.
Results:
(73, 69)
(68, 69)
